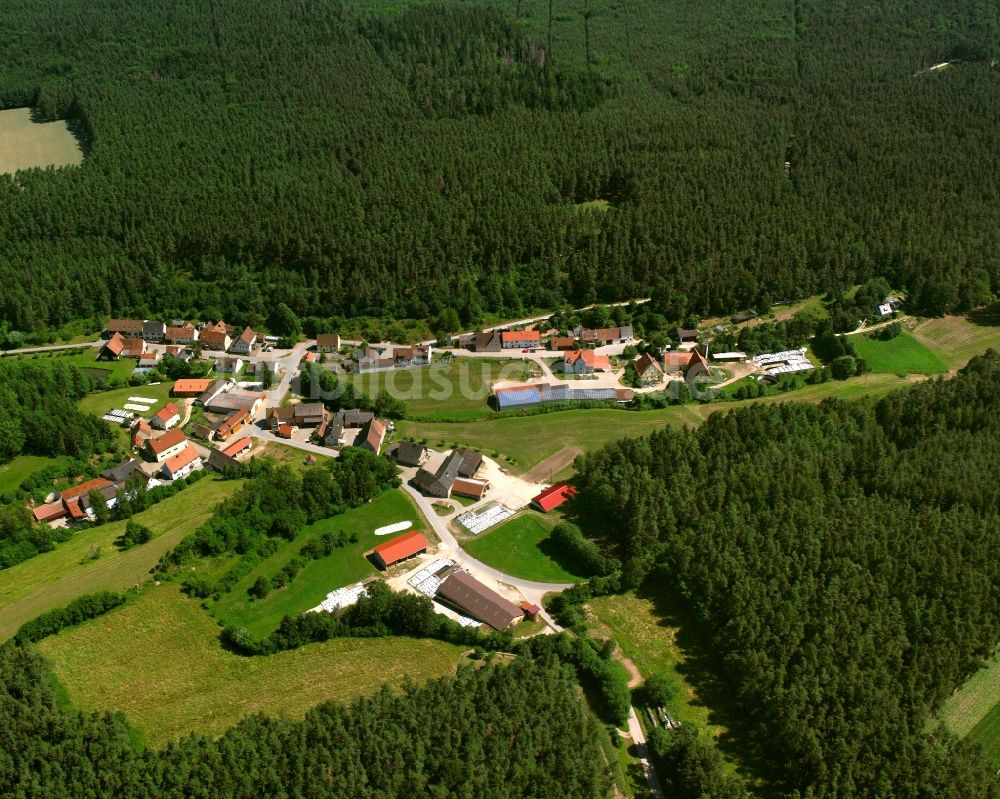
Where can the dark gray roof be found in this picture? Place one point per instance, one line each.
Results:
(479, 601)
(122, 471)
(410, 454)
(438, 484)
(470, 461)
(355, 417)
(151, 327)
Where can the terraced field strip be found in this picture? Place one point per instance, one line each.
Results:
(158, 660)
(52, 579)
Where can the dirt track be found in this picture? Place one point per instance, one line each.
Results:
(542, 472)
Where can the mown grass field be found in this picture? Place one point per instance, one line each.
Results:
(520, 547)
(343, 567)
(157, 659)
(16, 471)
(523, 441)
(52, 579)
(457, 391)
(974, 700)
(25, 144)
(85, 358)
(957, 339)
(101, 402)
(987, 734)
(901, 355)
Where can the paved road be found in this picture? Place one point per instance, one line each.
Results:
(642, 753)
(305, 446)
(52, 347)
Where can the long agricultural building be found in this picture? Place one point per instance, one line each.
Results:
(541, 393)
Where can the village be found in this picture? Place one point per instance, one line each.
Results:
(251, 396)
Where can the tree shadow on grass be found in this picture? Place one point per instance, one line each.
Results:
(702, 668)
(987, 316)
(557, 556)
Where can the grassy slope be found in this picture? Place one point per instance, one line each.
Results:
(14, 472)
(518, 547)
(158, 660)
(987, 734)
(956, 339)
(456, 391)
(344, 567)
(902, 355)
(54, 578)
(86, 358)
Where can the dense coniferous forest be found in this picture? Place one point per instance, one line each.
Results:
(345, 159)
(510, 731)
(842, 559)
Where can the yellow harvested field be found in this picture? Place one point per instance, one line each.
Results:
(971, 703)
(25, 144)
(158, 660)
(957, 339)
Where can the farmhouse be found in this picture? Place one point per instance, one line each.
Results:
(244, 343)
(469, 463)
(75, 501)
(190, 387)
(410, 454)
(376, 358)
(126, 328)
(439, 483)
(182, 464)
(238, 447)
(286, 430)
(122, 472)
(487, 342)
(470, 596)
(398, 549)
(553, 497)
(141, 432)
(686, 334)
(562, 343)
(152, 330)
(305, 414)
(402, 356)
(147, 361)
(422, 355)
(166, 446)
(345, 419)
(215, 336)
(113, 348)
(328, 342)
(134, 348)
(166, 417)
(520, 339)
(648, 370)
(584, 362)
(229, 365)
(374, 435)
(606, 335)
(184, 334)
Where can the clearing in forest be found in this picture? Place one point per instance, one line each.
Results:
(973, 711)
(158, 660)
(25, 144)
(957, 339)
(903, 354)
(90, 562)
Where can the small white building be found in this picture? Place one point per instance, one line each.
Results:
(229, 365)
(166, 417)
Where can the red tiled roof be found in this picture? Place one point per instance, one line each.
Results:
(191, 385)
(169, 439)
(470, 488)
(187, 455)
(213, 337)
(285, 430)
(125, 325)
(115, 344)
(401, 547)
(237, 447)
(562, 342)
(521, 335)
(554, 496)
(134, 347)
(46, 513)
(79, 490)
(167, 412)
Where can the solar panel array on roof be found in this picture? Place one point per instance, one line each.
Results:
(521, 396)
(594, 394)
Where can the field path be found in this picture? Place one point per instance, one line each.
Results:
(543, 471)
